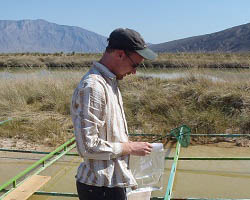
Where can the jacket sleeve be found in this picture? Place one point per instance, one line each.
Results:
(88, 112)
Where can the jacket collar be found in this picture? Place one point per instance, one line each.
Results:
(104, 70)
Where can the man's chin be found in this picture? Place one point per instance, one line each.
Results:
(119, 77)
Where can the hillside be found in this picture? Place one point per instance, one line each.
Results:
(42, 36)
(235, 39)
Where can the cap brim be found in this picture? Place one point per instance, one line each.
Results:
(147, 54)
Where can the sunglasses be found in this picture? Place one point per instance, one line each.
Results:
(135, 65)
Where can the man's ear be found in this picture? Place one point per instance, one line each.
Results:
(119, 54)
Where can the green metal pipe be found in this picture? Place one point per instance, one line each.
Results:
(166, 158)
(173, 170)
(220, 135)
(205, 199)
(42, 168)
(13, 180)
(35, 152)
(172, 174)
(193, 135)
(209, 158)
(59, 194)
(45, 165)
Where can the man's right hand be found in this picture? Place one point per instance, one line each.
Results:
(137, 148)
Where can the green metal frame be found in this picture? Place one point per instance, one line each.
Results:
(70, 145)
(174, 166)
(66, 147)
(180, 137)
(35, 152)
(166, 158)
(172, 173)
(160, 137)
(59, 194)
(209, 158)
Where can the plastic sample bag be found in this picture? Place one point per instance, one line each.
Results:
(148, 170)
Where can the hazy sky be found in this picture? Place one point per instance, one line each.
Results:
(157, 20)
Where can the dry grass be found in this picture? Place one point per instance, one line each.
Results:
(39, 102)
(164, 60)
(205, 60)
(56, 60)
(157, 106)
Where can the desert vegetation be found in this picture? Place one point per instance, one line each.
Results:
(165, 60)
(38, 100)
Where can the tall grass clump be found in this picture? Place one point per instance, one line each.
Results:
(164, 60)
(157, 106)
(54, 60)
(39, 103)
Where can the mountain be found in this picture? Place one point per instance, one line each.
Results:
(42, 36)
(235, 39)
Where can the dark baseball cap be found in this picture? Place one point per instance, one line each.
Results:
(130, 40)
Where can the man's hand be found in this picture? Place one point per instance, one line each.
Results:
(137, 148)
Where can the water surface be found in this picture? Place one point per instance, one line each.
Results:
(196, 179)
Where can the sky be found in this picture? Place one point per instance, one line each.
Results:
(157, 21)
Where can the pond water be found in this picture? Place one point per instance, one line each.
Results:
(216, 75)
(194, 179)
(177, 75)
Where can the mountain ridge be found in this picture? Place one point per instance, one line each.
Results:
(39, 35)
(234, 39)
(43, 36)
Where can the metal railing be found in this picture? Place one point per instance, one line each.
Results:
(63, 149)
(66, 147)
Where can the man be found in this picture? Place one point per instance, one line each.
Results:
(99, 122)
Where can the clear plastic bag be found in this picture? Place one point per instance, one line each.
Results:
(148, 170)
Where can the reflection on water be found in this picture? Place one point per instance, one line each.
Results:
(210, 179)
(24, 75)
(196, 179)
(179, 75)
(216, 75)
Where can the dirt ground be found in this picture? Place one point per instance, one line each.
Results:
(12, 143)
(19, 144)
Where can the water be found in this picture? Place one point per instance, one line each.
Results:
(40, 74)
(62, 172)
(177, 75)
(210, 179)
(215, 75)
(24, 75)
(197, 179)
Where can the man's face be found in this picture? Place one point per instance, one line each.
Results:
(128, 65)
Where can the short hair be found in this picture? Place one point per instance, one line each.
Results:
(110, 50)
